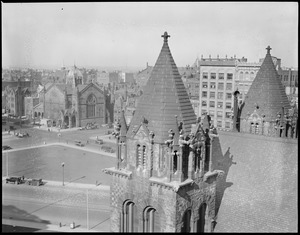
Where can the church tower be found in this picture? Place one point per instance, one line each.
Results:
(163, 179)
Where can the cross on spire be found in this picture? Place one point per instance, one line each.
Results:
(165, 36)
(268, 49)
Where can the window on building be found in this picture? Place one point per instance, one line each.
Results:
(204, 94)
(219, 114)
(212, 104)
(221, 76)
(227, 124)
(213, 85)
(228, 96)
(241, 76)
(229, 76)
(227, 114)
(220, 105)
(247, 76)
(220, 95)
(213, 76)
(148, 220)
(252, 76)
(212, 94)
(204, 84)
(205, 75)
(229, 86)
(127, 216)
(91, 106)
(144, 156)
(221, 86)
(228, 105)
(219, 123)
(204, 103)
(138, 155)
(211, 113)
(197, 85)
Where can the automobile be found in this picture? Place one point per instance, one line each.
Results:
(78, 143)
(6, 147)
(21, 135)
(81, 128)
(35, 182)
(14, 180)
(99, 141)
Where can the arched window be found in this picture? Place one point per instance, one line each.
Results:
(202, 225)
(186, 226)
(91, 106)
(247, 76)
(175, 162)
(127, 216)
(252, 76)
(148, 219)
(197, 159)
(241, 76)
(144, 156)
(138, 157)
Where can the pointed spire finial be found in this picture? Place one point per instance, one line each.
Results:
(165, 36)
(268, 49)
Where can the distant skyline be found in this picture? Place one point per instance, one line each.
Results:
(128, 34)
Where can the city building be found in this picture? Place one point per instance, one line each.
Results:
(72, 104)
(217, 78)
(289, 79)
(142, 77)
(163, 180)
(266, 109)
(13, 95)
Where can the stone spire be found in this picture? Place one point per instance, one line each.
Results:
(164, 97)
(266, 93)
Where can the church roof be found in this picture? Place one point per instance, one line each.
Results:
(266, 92)
(164, 97)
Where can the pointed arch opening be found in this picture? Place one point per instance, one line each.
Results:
(91, 106)
(186, 221)
(202, 224)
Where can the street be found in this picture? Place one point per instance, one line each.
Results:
(57, 204)
(51, 205)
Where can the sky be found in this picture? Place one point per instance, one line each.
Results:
(128, 34)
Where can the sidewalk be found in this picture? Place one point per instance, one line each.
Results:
(85, 148)
(72, 185)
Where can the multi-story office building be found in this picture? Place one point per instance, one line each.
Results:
(217, 78)
(289, 80)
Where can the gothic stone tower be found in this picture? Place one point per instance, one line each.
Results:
(163, 180)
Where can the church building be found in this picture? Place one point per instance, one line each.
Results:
(73, 104)
(163, 179)
(266, 109)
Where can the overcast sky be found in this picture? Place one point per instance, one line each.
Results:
(129, 33)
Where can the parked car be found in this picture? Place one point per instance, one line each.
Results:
(35, 182)
(14, 180)
(99, 141)
(78, 143)
(6, 147)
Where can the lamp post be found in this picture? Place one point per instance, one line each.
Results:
(87, 209)
(7, 164)
(63, 166)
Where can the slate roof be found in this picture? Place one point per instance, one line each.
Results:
(266, 91)
(164, 97)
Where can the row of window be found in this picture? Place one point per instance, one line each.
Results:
(220, 95)
(220, 85)
(127, 218)
(221, 76)
(219, 104)
(246, 76)
(228, 114)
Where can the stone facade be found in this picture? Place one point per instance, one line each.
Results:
(163, 180)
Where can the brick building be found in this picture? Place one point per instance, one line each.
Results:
(163, 180)
(266, 109)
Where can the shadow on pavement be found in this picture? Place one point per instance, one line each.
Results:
(223, 163)
(12, 217)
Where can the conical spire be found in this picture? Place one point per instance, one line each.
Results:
(163, 98)
(266, 93)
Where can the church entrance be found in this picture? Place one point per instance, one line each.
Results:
(186, 226)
